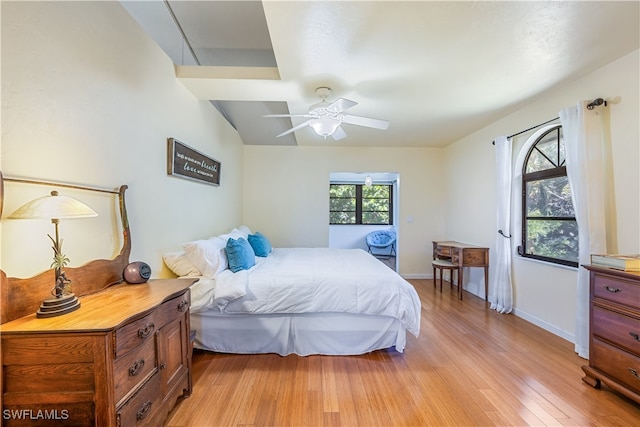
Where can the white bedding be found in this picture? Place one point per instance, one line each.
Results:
(312, 280)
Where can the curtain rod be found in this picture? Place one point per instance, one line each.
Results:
(527, 130)
(590, 106)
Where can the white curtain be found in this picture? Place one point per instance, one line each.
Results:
(584, 147)
(501, 291)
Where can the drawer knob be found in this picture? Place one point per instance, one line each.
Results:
(136, 368)
(613, 290)
(634, 372)
(183, 306)
(635, 336)
(144, 411)
(146, 331)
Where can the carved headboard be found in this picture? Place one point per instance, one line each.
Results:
(21, 297)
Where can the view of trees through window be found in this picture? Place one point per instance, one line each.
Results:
(550, 231)
(360, 204)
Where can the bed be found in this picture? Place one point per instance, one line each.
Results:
(300, 301)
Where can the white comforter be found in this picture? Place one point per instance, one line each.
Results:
(303, 280)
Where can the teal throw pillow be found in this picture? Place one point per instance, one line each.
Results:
(260, 244)
(240, 254)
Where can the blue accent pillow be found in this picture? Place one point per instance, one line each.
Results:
(239, 254)
(260, 244)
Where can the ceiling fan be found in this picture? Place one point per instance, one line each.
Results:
(326, 117)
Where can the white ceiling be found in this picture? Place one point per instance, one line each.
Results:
(436, 71)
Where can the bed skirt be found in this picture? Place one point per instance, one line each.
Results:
(301, 334)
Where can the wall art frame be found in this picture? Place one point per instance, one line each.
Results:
(188, 163)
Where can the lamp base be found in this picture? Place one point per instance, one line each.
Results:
(52, 307)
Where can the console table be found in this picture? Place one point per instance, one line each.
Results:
(464, 255)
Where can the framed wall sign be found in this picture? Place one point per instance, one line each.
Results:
(185, 162)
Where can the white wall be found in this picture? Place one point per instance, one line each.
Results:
(543, 293)
(286, 195)
(88, 98)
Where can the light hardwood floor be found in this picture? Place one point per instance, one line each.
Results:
(470, 366)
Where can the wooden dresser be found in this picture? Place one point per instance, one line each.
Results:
(122, 359)
(614, 324)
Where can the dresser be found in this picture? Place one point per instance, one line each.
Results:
(122, 359)
(614, 325)
(463, 255)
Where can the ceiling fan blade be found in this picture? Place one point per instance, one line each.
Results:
(287, 115)
(341, 104)
(339, 133)
(293, 129)
(365, 121)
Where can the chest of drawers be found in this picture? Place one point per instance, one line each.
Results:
(122, 359)
(614, 343)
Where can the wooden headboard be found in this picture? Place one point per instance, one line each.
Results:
(21, 297)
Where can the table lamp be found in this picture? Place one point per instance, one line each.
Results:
(55, 208)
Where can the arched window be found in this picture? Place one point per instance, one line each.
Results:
(549, 228)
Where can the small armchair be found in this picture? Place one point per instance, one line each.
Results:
(382, 239)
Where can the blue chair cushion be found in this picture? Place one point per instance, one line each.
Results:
(381, 238)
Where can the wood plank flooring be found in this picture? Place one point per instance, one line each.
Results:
(470, 366)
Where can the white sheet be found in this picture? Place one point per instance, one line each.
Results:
(312, 280)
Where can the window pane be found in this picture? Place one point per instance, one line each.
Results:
(342, 205)
(549, 197)
(379, 191)
(375, 205)
(547, 154)
(342, 217)
(342, 190)
(554, 239)
(375, 217)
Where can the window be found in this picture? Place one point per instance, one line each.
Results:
(360, 204)
(549, 227)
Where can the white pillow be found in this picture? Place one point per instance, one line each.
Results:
(244, 230)
(207, 255)
(233, 234)
(180, 264)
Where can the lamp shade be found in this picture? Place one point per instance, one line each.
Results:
(53, 207)
(324, 126)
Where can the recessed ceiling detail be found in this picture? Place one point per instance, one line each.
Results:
(437, 71)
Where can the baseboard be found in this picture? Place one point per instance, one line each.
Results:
(536, 321)
(417, 276)
(545, 325)
(473, 288)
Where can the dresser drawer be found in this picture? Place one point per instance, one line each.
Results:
(134, 334)
(474, 257)
(444, 251)
(132, 369)
(172, 309)
(140, 410)
(621, 330)
(616, 363)
(616, 289)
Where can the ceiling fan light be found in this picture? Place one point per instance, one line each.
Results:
(324, 126)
